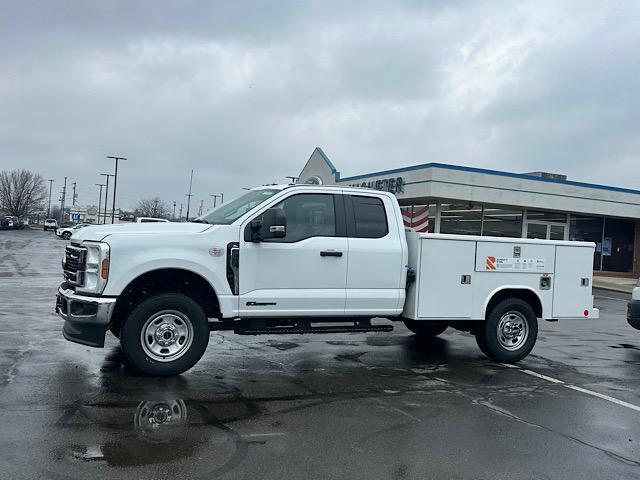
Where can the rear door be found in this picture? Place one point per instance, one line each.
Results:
(303, 273)
(376, 265)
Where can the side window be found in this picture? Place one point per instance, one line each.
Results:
(370, 217)
(308, 215)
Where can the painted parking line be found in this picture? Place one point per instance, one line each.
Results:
(602, 396)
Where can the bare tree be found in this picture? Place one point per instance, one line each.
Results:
(152, 207)
(21, 192)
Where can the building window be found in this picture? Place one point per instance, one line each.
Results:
(461, 218)
(501, 221)
(617, 245)
(588, 229)
(422, 218)
(542, 216)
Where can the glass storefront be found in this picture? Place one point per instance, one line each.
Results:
(617, 245)
(461, 218)
(500, 221)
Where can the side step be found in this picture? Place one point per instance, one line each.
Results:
(257, 327)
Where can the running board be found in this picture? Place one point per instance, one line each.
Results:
(301, 327)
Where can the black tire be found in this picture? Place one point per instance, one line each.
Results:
(425, 328)
(176, 307)
(66, 235)
(496, 338)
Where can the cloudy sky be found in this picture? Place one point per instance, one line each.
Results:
(243, 91)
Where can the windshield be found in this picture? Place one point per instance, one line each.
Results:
(229, 212)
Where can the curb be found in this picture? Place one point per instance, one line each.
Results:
(614, 288)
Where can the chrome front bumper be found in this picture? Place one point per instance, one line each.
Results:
(86, 319)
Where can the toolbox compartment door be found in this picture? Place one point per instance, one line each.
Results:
(440, 291)
(573, 278)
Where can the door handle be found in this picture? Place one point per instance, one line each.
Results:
(330, 253)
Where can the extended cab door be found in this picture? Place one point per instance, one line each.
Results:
(377, 256)
(303, 273)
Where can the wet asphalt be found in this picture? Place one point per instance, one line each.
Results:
(357, 406)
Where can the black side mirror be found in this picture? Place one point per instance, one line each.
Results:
(273, 224)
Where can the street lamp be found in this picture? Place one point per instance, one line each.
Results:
(49, 207)
(215, 197)
(115, 184)
(106, 195)
(99, 200)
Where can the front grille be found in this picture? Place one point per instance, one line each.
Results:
(74, 264)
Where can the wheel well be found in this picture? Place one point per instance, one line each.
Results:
(527, 295)
(164, 281)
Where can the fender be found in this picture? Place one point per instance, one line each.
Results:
(510, 287)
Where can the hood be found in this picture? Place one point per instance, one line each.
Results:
(100, 232)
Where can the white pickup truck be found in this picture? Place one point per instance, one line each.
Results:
(310, 259)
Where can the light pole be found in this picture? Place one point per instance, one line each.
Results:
(99, 200)
(215, 197)
(49, 207)
(64, 195)
(201, 205)
(174, 211)
(115, 184)
(189, 195)
(106, 195)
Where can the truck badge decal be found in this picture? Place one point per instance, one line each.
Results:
(491, 263)
(507, 264)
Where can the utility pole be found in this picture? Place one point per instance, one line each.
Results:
(180, 212)
(106, 195)
(74, 194)
(49, 207)
(189, 195)
(99, 200)
(115, 184)
(215, 197)
(64, 194)
(174, 211)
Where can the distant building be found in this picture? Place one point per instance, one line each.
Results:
(437, 197)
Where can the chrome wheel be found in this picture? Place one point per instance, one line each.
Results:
(166, 336)
(156, 421)
(513, 330)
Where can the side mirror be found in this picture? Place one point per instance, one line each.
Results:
(273, 224)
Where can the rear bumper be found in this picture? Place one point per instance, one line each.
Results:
(86, 319)
(633, 313)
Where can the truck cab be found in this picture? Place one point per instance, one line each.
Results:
(292, 259)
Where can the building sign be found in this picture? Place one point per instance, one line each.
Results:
(393, 185)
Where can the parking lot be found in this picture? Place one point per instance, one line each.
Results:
(357, 406)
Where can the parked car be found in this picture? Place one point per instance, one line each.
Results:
(151, 220)
(633, 308)
(50, 224)
(66, 232)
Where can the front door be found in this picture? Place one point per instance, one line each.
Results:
(303, 273)
(546, 231)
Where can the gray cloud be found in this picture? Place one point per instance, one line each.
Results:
(242, 92)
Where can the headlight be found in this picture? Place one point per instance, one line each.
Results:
(96, 271)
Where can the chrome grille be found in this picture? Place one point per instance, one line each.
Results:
(74, 264)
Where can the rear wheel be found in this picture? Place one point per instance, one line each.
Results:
(66, 235)
(509, 332)
(425, 328)
(165, 335)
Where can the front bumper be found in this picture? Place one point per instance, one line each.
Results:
(86, 319)
(633, 313)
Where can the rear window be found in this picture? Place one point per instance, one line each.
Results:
(370, 217)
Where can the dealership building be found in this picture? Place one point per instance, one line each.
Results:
(441, 198)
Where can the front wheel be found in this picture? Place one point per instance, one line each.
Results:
(165, 335)
(425, 328)
(509, 332)
(66, 235)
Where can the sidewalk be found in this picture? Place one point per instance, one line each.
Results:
(615, 284)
